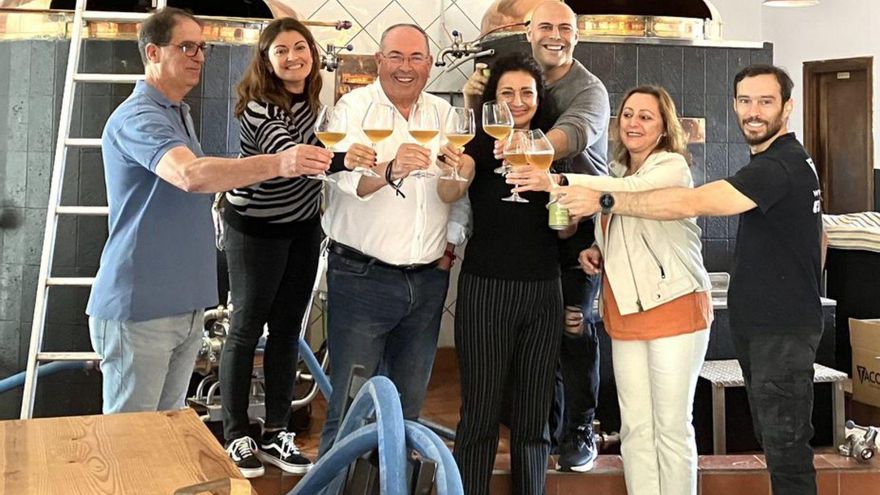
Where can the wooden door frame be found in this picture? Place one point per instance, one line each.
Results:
(812, 71)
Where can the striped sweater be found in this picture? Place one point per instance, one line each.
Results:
(272, 208)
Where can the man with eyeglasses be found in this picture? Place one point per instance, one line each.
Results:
(580, 140)
(389, 260)
(158, 269)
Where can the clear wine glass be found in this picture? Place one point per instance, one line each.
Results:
(378, 124)
(498, 123)
(331, 126)
(459, 128)
(424, 126)
(515, 149)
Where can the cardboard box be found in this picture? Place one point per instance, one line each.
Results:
(864, 336)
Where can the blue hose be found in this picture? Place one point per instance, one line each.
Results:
(315, 367)
(17, 380)
(390, 434)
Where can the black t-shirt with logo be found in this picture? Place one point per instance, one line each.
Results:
(774, 286)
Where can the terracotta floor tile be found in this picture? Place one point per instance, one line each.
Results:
(500, 484)
(859, 483)
(743, 483)
(731, 462)
(575, 484)
(608, 464)
(823, 461)
(827, 482)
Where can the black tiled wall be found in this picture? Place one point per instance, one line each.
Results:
(699, 79)
(31, 87)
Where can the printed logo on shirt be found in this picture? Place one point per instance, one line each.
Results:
(817, 204)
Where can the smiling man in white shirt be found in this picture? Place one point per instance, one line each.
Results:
(392, 236)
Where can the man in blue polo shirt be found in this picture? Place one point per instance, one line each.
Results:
(158, 269)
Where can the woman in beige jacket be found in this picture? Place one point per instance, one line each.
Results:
(654, 298)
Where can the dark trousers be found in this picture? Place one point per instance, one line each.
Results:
(387, 321)
(577, 378)
(270, 281)
(778, 373)
(507, 337)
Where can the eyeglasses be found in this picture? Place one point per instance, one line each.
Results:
(398, 59)
(191, 48)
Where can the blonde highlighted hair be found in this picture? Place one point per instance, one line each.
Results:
(673, 138)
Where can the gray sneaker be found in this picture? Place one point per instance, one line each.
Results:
(577, 451)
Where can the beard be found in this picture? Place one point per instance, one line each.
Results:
(772, 128)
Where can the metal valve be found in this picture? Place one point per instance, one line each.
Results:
(861, 444)
(461, 51)
(330, 60)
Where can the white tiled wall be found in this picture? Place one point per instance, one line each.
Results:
(369, 18)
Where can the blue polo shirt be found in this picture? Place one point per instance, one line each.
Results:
(159, 259)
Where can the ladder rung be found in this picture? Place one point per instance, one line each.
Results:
(83, 142)
(71, 281)
(108, 78)
(83, 210)
(94, 15)
(68, 356)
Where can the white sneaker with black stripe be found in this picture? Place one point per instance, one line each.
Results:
(243, 453)
(277, 448)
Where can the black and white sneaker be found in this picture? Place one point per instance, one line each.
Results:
(577, 451)
(242, 451)
(277, 448)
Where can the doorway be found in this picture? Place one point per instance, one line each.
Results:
(838, 131)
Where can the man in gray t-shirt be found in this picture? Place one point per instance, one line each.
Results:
(580, 140)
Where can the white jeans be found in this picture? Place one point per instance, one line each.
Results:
(147, 365)
(655, 388)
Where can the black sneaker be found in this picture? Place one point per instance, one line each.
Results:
(242, 452)
(578, 451)
(278, 449)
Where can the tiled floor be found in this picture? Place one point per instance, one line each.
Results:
(719, 475)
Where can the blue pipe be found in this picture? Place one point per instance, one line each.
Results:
(17, 380)
(431, 446)
(379, 396)
(315, 367)
(365, 439)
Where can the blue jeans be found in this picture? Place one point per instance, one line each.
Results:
(147, 364)
(385, 320)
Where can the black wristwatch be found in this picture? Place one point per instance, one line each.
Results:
(606, 202)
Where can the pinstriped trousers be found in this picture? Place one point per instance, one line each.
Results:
(507, 336)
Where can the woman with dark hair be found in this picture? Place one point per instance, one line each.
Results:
(272, 244)
(654, 297)
(508, 320)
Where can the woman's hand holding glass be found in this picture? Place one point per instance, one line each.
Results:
(360, 155)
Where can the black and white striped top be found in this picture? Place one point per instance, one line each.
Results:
(272, 207)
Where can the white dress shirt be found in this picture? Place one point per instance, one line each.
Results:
(399, 231)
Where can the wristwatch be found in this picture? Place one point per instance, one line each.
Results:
(563, 180)
(606, 202)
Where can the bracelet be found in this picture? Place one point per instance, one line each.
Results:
(390, 180)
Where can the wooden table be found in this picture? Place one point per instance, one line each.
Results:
(142, 453)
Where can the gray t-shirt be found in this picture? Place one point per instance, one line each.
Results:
(584, 109)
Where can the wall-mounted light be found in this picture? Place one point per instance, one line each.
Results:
(790, 3)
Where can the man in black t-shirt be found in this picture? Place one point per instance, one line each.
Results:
(775, 311)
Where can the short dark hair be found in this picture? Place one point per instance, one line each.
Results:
(782, 77)
(522, 62)
(405, 25)
(158, 27)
